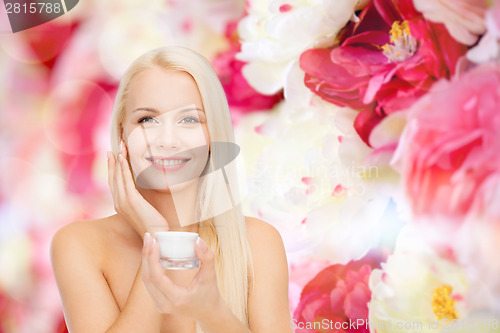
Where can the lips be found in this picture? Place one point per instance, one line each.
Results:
(168, 163)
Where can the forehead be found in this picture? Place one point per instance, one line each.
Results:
(164, 90)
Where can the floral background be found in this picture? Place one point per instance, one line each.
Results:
(370, 133)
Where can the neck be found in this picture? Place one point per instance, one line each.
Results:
(177, 206)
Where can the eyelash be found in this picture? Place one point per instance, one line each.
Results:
(143, 119)
(195, 120)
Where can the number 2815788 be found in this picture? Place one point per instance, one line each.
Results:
(34, 7)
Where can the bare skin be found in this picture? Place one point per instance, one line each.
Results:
(109, 277)
(97, 249)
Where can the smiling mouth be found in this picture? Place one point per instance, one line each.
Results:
(169, 162)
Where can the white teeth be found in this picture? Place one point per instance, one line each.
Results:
(169, 162)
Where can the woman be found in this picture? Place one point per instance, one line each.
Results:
(169, 111)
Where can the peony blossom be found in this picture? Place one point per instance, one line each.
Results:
(301, 272)
(418, 290)
(384, 63)
(476, 247)
(240, 95)
(488, 48)
(464, 19)
(338, 294)
(275, 33)
(321, 194)
(449, 150)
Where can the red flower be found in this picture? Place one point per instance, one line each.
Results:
(72, 127)
(336, 297)
(61, 325)
(47, 41)
(383, 64)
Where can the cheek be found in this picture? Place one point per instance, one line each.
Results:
(136, 148)
(136, 143)
(195, 137)
(203, 138)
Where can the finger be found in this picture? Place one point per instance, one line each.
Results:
(207, 263)
(145, 252)
(112, 174)
(118, 180)
(147, 265)
(161, 301)
(131, 197)
(128, 181)
(161, 281)
(111, 168)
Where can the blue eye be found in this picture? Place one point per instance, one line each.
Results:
(190, 120)
(146, 119)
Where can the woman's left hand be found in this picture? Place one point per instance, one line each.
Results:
(199, 300)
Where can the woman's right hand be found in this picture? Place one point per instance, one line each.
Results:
(128, 202)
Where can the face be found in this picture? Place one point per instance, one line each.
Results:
(165, 129)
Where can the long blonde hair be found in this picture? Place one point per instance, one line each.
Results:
(225, 233)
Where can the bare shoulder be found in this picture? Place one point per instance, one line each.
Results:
(268, 291)
(78, 252)
(266, 245)
(79, 239)
(262, 233)
(78, 229)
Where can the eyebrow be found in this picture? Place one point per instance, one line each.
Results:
(182, 109)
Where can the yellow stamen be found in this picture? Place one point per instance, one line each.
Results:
(443, 305)
(402, 44)
(399, 30)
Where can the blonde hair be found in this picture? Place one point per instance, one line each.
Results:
(225, 233)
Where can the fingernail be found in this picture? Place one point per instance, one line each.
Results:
(120, 157)
(201, 244)
(121, 146)
(147, 237)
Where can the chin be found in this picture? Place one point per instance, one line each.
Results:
(161, 190)
(153, 185)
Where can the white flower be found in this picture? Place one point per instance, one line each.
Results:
(419, 290)
(476, 248)
(488, 48)
(464, 19)
(275, 33)
(319, 193)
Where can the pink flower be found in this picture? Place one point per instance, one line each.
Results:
(338, 294)
(464, 19)
(240, 95)
(384, 63)
(300, 274)
(450, 149)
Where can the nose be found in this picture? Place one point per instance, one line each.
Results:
(166, 137)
